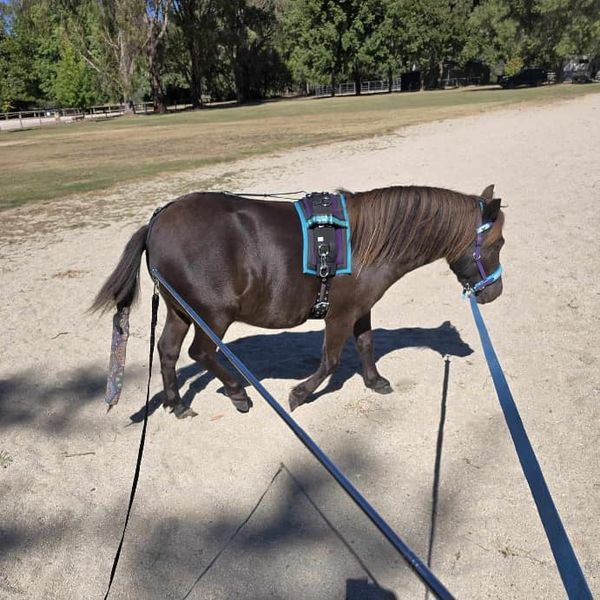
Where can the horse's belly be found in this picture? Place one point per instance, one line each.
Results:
(285, 306)
(269, 322)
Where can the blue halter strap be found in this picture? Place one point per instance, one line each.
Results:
(486, 279)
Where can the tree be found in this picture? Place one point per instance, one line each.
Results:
(440, 28)
(197, 20)
(399, 43)
(493, 34)
(109, 35)
(73, 84)
(319, 31)
(157, 21)
(122, 30)
(248, 31)
(564, 28)
(363, 20)
(534, 32)
(29, 50)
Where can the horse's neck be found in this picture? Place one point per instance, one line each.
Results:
(381, 277)
(383, 274)
(426, 241)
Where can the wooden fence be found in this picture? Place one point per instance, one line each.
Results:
(28, 119)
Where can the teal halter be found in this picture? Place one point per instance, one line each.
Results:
(486, 279)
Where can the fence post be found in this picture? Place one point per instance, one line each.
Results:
(21, 120)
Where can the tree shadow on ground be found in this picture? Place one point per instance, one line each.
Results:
(31, 399)
(300, 539)
(295, 355)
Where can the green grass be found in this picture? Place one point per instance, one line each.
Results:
(60, 160)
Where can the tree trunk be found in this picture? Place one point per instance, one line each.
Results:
(241, 76)
(357, 84)
(158, 94)
(390, 80)
(195, 73)
(127, 66)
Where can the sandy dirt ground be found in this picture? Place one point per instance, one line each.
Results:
(213, 517)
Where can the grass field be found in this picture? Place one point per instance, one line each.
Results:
(65, 159)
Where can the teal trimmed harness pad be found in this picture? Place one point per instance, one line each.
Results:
(326, 246)
(324, 220)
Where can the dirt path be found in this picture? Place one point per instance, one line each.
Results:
(66, 467)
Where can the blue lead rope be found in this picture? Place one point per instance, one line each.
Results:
(566, 561)
(418, 566)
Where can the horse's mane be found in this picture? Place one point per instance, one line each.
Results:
(396, 223)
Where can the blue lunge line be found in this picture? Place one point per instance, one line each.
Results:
(420, 568)
(566, 561)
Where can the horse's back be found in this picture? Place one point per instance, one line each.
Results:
(219, 225)
(236, 253)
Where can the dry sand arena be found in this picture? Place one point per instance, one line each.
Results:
(66, 466)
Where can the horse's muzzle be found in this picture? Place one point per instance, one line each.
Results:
(489, 293)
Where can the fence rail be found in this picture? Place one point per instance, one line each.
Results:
(451, 82)
(28, 119)
(375, 86)
(378, 86)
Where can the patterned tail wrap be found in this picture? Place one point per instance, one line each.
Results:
(118, 348)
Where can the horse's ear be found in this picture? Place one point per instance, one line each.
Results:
(491, 210)
(488, 193)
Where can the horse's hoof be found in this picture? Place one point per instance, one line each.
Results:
(182, 412)
(381, 386)
(242, 402)
(296, 399)
(242, 406)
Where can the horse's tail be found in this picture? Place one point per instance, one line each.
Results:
(122, 287)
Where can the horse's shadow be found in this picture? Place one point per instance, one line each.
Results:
(296, 354)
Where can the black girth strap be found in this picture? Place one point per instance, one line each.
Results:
(321, 305)
(326, 251)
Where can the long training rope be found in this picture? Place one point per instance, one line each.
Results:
(276, 195)
(570, 571)
(418, 566)
(568, 566)
(138, 464)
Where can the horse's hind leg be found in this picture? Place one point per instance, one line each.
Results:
(204, 351)
(363, 336)
(337, 332)
(169, 346)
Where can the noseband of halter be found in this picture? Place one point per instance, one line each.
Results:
(486, 279)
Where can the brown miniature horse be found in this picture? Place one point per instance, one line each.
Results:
(236, 259)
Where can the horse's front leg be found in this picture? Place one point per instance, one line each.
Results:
(337, 332)
(363, 336)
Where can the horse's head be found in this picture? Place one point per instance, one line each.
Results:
(479, 270)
